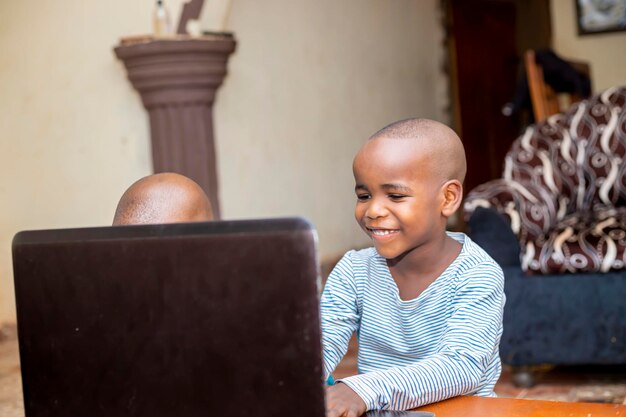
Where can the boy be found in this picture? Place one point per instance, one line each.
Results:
(426, 304)
(163, 198)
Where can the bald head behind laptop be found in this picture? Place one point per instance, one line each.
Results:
(163, 198)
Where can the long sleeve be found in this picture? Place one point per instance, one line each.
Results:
(465, 359)
(339, 313)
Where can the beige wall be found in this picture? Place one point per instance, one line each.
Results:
(73, 135)
(605, 52)
(308, 83)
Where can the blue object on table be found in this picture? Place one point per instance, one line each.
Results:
(390, 413)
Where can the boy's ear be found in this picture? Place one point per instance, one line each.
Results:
(452, 196)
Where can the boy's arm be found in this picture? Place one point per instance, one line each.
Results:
(463, 356)
(339, 313)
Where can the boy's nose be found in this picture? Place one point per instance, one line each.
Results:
(375, 209)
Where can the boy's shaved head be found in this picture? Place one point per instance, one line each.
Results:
(163, 198)
(441, 143)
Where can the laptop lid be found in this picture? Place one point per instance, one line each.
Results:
(196, 319)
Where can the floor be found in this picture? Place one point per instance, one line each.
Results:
(575, 384)
(10, 378)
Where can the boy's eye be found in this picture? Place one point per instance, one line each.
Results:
(396, 197)
(362, 196)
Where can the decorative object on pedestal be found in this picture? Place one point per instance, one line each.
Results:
(191, 12)
(177, 79)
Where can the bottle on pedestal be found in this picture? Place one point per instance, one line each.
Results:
(162, 25)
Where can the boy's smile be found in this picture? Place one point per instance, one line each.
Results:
(378, 233)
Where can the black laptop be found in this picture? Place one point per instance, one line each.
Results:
(195, 319)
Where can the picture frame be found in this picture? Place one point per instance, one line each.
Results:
(600, 16)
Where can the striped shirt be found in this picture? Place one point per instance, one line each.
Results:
(439, 345)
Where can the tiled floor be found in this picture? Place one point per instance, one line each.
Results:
(561, 384)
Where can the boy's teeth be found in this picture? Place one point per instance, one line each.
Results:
(381, 232)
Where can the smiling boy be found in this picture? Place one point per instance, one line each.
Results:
(426, 304)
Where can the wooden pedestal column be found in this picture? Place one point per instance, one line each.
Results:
(177, 80)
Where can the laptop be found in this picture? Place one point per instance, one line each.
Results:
(194, 319)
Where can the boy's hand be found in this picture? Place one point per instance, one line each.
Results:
(341, 401)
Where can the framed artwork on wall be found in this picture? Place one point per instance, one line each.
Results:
(600, 16)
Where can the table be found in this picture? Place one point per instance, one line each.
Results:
(510, 407)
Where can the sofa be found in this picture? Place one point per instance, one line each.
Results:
(556, 223)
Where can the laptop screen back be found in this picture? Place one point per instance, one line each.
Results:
(197, 319)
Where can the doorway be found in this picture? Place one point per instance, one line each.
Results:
(486, 40)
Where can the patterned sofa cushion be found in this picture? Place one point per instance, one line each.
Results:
(563, 175)
(532, 210)
(579, 243)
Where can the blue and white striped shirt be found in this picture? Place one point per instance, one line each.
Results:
(439, 345)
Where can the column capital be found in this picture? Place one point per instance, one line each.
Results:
(177, 70)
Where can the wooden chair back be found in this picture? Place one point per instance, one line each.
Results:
(544, 99)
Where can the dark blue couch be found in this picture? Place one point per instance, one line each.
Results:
(556, 223)
(565, 319)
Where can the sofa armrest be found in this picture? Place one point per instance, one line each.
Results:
(491, 231)
(531, 210)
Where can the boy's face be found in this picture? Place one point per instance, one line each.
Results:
(399, 199)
